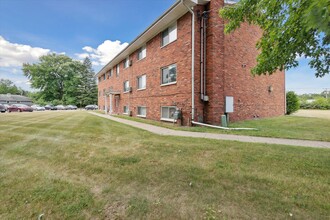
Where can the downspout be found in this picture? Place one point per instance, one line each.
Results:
(193, 76)
(192, 61)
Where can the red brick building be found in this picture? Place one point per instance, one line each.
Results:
(174, 65)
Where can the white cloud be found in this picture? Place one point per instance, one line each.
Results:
(12, 54)
(103, 53)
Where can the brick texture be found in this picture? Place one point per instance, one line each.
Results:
(229, 60)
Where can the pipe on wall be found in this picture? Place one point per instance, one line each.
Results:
(192, 61)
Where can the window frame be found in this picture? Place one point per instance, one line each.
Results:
(140, 52)
(125, 107)
(117, 70)
(139, 115)
(145, 84)
(167, 119)
(169, 33)
(161, 75)
(126, 88)
(126, 63)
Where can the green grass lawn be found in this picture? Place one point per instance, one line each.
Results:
(292, 127)
(74, 165)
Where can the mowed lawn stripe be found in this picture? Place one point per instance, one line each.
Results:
(105, 170)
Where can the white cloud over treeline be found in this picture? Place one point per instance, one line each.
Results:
(103, 53)
(12, 54)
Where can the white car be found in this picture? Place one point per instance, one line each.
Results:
(38, 108)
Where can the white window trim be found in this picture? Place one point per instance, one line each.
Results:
(161, 75)
(161, 113)
(141, 48)
(138, 82)
(117, 70)
(126, 63)
(126, 113)
(169, 42)
(168, 84)
(142, 116)
(126, 91)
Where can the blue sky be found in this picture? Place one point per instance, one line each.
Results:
(98, 28)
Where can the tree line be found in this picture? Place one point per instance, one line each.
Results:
(62, 80)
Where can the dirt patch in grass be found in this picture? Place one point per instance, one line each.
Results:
(313, 113)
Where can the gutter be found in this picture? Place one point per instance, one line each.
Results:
(138, 37)
(193, 77)
(192, 61)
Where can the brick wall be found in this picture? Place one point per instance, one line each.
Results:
(229, 60)
(155, 95)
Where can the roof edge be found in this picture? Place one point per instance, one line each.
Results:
(150, 28)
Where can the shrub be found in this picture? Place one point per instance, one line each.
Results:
(292, 102)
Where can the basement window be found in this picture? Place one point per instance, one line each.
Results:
(167, 113)
(142, 111)
(126, 109)
(169, 34)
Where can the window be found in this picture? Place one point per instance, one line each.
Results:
(142, 111)
(168, 113)
(142, 82)
(169, 35)
(126, 109)
(142, 53)
(110, 72)
(126, 86)
(126, 62)
(117, 70)
(104, 77)
(169, 74)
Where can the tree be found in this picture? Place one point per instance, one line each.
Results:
(291, 28)
(57, 77)
(292, 102)
(88, 86)
(7, 86)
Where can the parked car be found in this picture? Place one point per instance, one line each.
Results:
(91, 107)
(38, 108)
(60, 107)
(6, 105)
(19, 108)
(3, 108)
(50, 107)
(71, 107)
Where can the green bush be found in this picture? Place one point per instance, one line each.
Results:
(292, 102)
(318, 103)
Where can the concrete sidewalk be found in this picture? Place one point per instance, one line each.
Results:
(165, 131)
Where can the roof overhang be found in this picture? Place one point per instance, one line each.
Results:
(177, 10)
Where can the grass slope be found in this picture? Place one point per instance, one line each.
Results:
(73, 165)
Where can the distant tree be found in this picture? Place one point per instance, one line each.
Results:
(292, 102)
(57, 77)
(88, 87)
(291, 28)
(7, 86)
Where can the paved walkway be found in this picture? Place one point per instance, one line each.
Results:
(165, 131)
